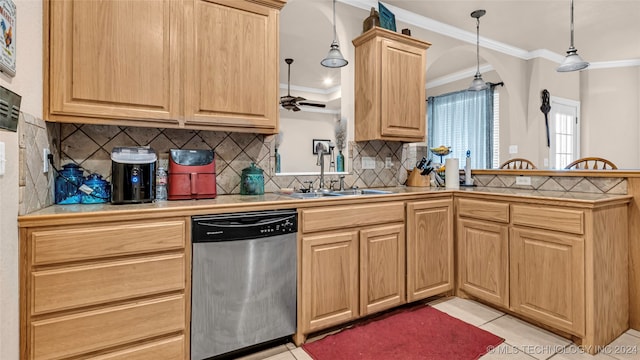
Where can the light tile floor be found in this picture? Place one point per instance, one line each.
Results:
(523, 341)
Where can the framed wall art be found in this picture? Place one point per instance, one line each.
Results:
(326, 143)
(8, 28)
(387, 18)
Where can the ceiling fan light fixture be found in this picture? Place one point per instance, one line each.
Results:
(334, 58)
(478, 84)
(573, 61)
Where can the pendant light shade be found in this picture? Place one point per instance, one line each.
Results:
(573, 61)
(334, 58)
(478, 84)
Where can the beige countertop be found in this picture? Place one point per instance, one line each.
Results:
(61, 214)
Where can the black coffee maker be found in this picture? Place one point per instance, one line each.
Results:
(133, 171)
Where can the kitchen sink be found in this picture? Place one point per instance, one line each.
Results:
(350, 192)
(307, 195)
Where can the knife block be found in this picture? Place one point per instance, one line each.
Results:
(416, 180)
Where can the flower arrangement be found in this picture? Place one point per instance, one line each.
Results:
(340, 133)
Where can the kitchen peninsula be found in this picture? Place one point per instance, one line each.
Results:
(72, 284)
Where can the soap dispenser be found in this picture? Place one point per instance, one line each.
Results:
(468, 180)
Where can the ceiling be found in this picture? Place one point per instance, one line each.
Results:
(605, 30)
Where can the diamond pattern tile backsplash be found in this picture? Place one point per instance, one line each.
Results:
(90, 146)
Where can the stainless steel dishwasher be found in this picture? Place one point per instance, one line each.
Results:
(243, 290)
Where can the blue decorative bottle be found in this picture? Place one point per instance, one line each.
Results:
(277, 161)
(340, 162)
(100, 190)
(68, 183)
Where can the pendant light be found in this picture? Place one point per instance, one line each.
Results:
(478, 84)
(334, 59)
(573, 61)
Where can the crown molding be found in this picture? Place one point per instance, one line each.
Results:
(613, 64)
(429, 24)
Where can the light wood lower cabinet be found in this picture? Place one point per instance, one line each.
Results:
(329, 279)
(114, 290)
(382, 264)
(564, 266)
(547, 278)
(352, 263)
(483, 260)
(430, 260)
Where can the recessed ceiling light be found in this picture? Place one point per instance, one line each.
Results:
(328, 81)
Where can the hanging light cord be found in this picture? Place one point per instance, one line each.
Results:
(478, 45)
(335, 36)
(572, 24)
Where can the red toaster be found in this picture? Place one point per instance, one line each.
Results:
(192, 174)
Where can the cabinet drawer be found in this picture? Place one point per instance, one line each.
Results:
(484, 210)
(84, 332)
(97, 283)
(166, 349)
(60, 245)
(567, 220)
(339, 217)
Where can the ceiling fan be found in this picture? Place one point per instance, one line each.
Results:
(290, 102)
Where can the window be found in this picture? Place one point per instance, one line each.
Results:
(564, 132)
(466, 120)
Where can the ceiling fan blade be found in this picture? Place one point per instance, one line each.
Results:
(295, 108)
(312, 104)
(299, 98)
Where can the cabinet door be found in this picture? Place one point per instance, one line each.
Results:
(483, 260)
(231, 65)
(403, 99)
(382, 268)
(114, 60)
(329, 279)
(429, 248)
(547, 278)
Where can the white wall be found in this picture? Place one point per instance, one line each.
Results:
(28, 83)
(296, 147)
(611, 115)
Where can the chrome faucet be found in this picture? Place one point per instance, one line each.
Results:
(321, 150)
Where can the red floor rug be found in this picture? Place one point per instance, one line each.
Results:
(418, 333)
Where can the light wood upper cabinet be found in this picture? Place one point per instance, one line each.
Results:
(429, 248)
(113, 60)
(167, 63)
(382, 268)
(390, 80)
(231, 72)
(547, 277)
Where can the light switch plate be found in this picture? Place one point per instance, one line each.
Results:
(368, 162)
(45, 160)
(513, 149)
(3, 159)
(523, 180)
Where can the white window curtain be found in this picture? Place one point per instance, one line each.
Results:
(463, 120)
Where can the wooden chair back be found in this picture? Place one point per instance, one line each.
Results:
(592, 163)
(518, 164)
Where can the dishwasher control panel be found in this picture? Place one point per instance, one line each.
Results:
(247, 225)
